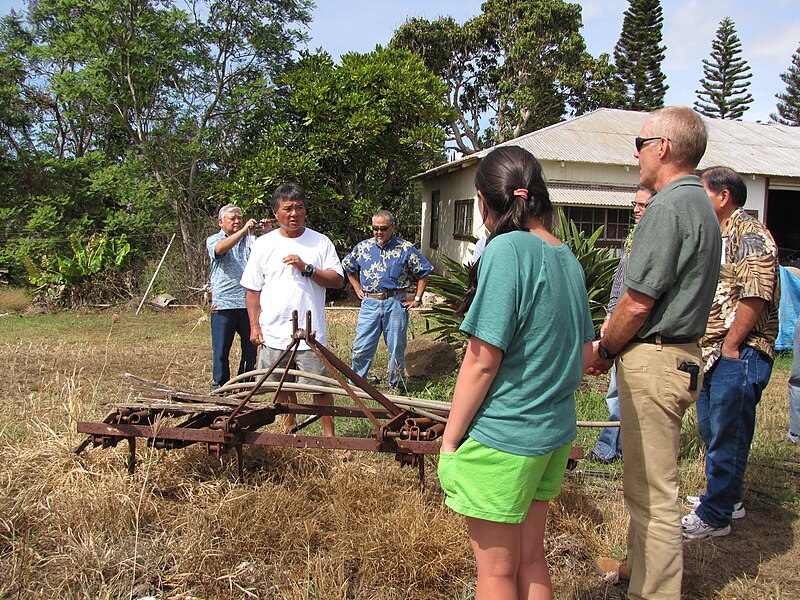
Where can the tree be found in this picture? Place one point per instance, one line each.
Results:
(457, 54)
(523, 62)
(789, 101)
(639, 53)
(724, 94)
(352, 134)
(143, 80)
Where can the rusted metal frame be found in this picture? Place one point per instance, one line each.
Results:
(370, 389)
(249, 420)
(293, 347)
(346, 386)
(216, 436)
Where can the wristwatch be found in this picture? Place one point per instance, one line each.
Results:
(309, 271)
(604, 353)
(418, 299)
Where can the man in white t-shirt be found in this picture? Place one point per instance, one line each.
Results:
(292, 265)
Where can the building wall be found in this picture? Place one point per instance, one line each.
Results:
(459, 185)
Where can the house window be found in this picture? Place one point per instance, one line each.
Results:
(616, 222)
(462, 228)
(434, 243)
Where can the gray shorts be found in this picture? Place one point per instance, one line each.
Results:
(304, 360)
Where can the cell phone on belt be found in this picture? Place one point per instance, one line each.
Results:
(693, 369)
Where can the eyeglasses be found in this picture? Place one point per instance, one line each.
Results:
(380, 227)
(636, 204)
(640, 141)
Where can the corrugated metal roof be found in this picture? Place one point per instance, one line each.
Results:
(605, 136)
(589, 195)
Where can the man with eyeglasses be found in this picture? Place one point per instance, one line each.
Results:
(229, 250)
(609, 444)
(292, 266)
(380, 269)
(652, 337)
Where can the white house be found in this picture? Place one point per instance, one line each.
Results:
(591, 173)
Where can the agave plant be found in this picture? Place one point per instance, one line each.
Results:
(599, 266)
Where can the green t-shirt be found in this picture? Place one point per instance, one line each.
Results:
(675, 259)
(531, 303)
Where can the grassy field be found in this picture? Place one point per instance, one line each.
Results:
(303, 524)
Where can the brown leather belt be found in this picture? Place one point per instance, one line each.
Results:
(385, 295)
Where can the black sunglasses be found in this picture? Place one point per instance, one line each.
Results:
(380, 227)
(640, 141)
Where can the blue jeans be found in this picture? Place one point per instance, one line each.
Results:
(609, 444)
(794, 384)
(391, 318)
(726, 417)
(225, 324)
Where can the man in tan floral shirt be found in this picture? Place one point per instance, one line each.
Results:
(738, 348)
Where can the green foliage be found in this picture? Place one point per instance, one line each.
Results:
(352, 136)
(639, 54)
(725, 82)
(93, 272)
(597, 263)
(523, 60)
(789, 101)
(451, 288)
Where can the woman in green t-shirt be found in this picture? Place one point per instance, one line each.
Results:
(512, 420)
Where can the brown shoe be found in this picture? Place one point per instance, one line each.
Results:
(604, 566)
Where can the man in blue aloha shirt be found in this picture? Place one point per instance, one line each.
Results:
(380, 269)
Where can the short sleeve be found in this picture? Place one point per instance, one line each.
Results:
(330, 260)
(492, 315)
(253, 277)
(655, 253)
(211, 243)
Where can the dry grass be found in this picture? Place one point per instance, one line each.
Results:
(302, 525)
(13, 300)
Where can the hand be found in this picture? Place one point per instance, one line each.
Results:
(410, 303)
(448, 447)
(598, 365)
(250, 225)
(359, 292)
(256, 336)
(728, 352)
(294, 261)
(267, 225)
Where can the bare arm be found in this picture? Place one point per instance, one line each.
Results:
(478, 370)
(253, 312)
(422, 283)
(325, 277)
(230, 241)
(355, 281)
(628, 317)
(746, 316)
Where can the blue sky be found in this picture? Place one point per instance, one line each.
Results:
(769, 31)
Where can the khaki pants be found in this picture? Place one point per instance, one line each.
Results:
(653, 396)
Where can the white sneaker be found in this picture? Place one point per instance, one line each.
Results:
(738, 508)
(694, 528)
(792, 438)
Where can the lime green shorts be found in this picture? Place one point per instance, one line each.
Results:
(489, 484)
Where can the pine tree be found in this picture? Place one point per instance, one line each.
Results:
(639, 54)
(789, 101)
(726, 77)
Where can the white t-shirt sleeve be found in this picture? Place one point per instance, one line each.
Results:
(253, 276)
(330, 260)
